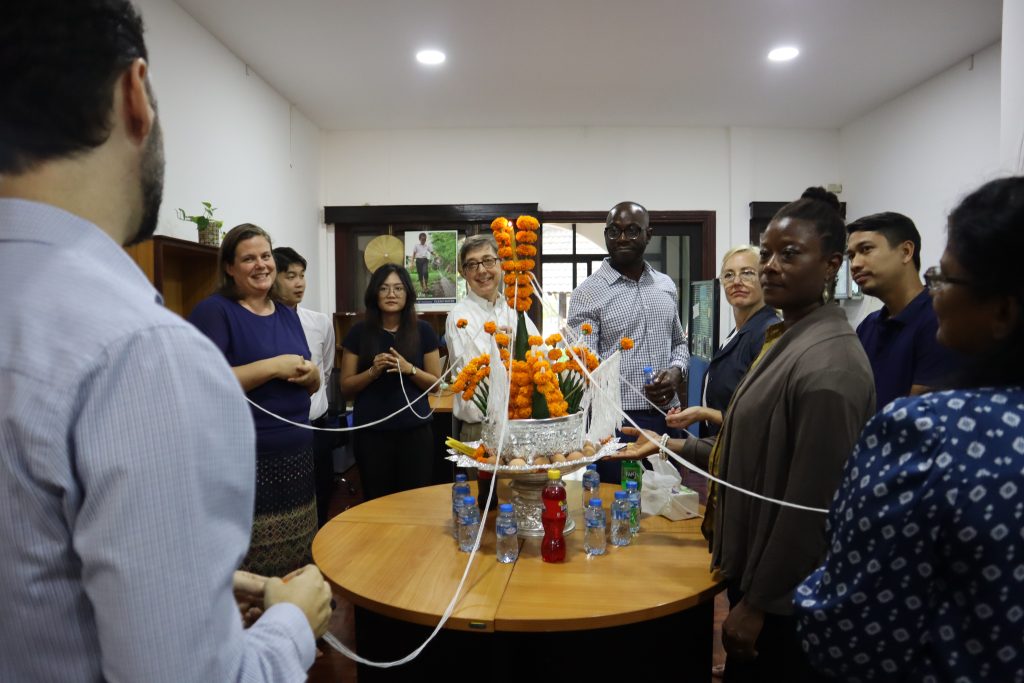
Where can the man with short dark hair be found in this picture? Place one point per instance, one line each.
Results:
(626, 297)
(127, 451)
(290, 287)
(885, 260)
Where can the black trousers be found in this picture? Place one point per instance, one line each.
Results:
(392, 461)
(779, 656)
(323, 468)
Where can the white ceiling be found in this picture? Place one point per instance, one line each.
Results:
(349, 64)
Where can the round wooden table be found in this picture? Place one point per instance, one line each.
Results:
(396, 560)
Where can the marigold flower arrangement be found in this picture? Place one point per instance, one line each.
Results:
(545, 375)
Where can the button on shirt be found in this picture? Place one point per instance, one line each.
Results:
(645, 310)
(127, 469)
(903, 350)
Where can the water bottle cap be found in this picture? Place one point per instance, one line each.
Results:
(596, 502)
(554, 474)
(505, 507)
(648, 368)
(620, 495)
(592, 466)
(631, 484)
(469, 500)
(460, 477)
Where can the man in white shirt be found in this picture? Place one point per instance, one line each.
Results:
(289, 290)
(480, 265)
(421, 255)
(127, 451)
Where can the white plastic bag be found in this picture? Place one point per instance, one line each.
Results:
(663, 492)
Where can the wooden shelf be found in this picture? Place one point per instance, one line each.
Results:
(184, 272)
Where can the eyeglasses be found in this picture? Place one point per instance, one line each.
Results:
(936, 281)
(748, 275)
(632, 232)
(391, 289)
(473, 266)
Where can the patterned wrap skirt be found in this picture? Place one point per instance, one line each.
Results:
(285, 520)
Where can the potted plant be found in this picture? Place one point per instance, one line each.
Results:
(208, 226)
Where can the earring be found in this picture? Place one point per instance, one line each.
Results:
(824, 293)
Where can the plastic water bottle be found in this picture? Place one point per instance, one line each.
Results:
(633, 495)
(507, 530)
(591, 484)
(648, 374)
(469, 524)
(459, 492)
(620, 520)
(594, 541)
(553, 516)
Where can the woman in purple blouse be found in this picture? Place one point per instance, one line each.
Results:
(266, 348)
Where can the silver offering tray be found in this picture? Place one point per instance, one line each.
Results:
(527, 481)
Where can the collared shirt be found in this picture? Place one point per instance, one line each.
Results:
(320, 337)
(127, 472)
(903, 350)
(465, 344)
(645, 310)
(922, 581)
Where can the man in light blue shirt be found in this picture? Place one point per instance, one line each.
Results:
(127, 454)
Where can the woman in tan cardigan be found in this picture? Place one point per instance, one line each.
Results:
(788, 431)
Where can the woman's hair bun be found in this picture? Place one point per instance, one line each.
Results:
(820, 194)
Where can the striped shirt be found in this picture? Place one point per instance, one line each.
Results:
(646, 310)
(127, 469)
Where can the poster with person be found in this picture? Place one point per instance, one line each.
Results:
(431, 259)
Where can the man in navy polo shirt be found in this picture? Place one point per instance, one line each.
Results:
(885, 260)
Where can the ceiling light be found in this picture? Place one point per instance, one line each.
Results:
(431, 57)
(783, 54)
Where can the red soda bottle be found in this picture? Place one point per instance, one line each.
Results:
(552, 548)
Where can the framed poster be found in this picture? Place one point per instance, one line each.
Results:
(430, 258)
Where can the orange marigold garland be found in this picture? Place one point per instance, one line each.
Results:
(545, 375)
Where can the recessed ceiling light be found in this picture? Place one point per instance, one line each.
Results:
(431, 57)
(783, 54)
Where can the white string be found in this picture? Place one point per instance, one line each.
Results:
(354, 428)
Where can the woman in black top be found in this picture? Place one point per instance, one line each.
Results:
(390, 359)
(741, 269)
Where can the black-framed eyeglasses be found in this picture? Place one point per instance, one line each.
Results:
(631, 232)
(935, 280)
(473, 266)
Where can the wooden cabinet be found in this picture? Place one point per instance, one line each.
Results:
(184, 272)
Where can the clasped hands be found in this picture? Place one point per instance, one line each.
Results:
(392, 361)
(305, 588)
(297, 370)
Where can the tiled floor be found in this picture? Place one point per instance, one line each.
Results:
(332, 666)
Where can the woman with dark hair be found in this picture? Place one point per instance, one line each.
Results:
(923, 578)
(389, 359)
(266, 348)
(786, 434)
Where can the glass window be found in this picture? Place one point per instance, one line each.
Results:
(558, 286)
(556, 239)
(590, 238)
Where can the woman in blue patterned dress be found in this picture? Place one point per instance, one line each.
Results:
(924, 580)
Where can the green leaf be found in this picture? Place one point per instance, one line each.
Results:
(540, 406)
(522, 338)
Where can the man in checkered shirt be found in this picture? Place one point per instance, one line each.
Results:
(626, 297)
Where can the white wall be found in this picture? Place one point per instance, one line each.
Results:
(585, 168)
(233, 140)
(1012, 97)
(919, 153)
